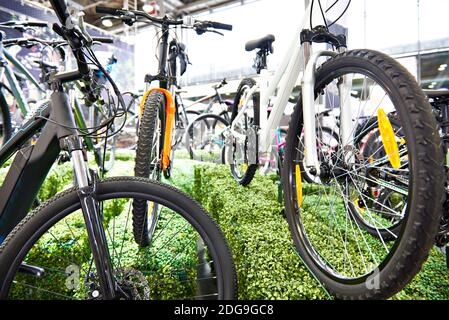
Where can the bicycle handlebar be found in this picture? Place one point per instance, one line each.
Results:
(32, 41)
(53, 43)
(218, 25)
(108, 10)
(131, 17)
(221, 84)
(23, 24)
(103, 39)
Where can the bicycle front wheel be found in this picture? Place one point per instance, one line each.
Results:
(352, 261)
(150, 144)
(188, 258)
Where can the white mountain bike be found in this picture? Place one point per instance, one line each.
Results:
(365, 224)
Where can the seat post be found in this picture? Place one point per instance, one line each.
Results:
(260, 63)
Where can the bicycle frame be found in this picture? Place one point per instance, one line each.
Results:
(14, 86)
(297, 58)
(28, 170)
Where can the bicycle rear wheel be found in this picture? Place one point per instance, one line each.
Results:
(349, 261)
(242, 169)
(188, 258)
(205, 139)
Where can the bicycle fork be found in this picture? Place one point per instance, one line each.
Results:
(308, 98)
(86, 182)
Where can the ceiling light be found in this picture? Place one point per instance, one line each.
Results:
(148, 7)
(107, 23)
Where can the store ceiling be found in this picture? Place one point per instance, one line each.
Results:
(174, 8)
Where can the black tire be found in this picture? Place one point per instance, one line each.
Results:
(225, 115)
(244, 178)
(153, 118)
(33, 227)
(210, 120)
(5, 121)
(420, 224)
(193, 112)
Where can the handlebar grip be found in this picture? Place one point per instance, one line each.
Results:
(9, 42)
(222, 26)
(108, 10)
(36, 24)
(103, 39)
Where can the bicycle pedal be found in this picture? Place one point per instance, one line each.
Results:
(34, 271)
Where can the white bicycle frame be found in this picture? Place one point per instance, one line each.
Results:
(297, 58)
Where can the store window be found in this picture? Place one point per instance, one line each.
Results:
(435, 70)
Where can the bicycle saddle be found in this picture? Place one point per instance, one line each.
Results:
(265, 43)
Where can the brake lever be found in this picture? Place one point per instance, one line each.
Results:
(82, 28)
(201, 29)
(217, 32)
(129, 18)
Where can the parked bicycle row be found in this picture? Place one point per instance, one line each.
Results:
(360, 162)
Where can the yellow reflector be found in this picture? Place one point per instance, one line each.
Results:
(356, 202)
(298, 182)
(388, 138)
(150, 209)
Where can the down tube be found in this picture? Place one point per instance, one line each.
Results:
(24, 183)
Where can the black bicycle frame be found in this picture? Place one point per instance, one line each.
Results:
(28, 169)
(162, 75)
(32, 163)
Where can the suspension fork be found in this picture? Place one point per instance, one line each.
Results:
(87, 188)
(308, 102)
(346, 117)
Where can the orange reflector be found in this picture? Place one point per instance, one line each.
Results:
(388, 138)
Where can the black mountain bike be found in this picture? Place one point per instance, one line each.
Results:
(79, 244)
(161, 111)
